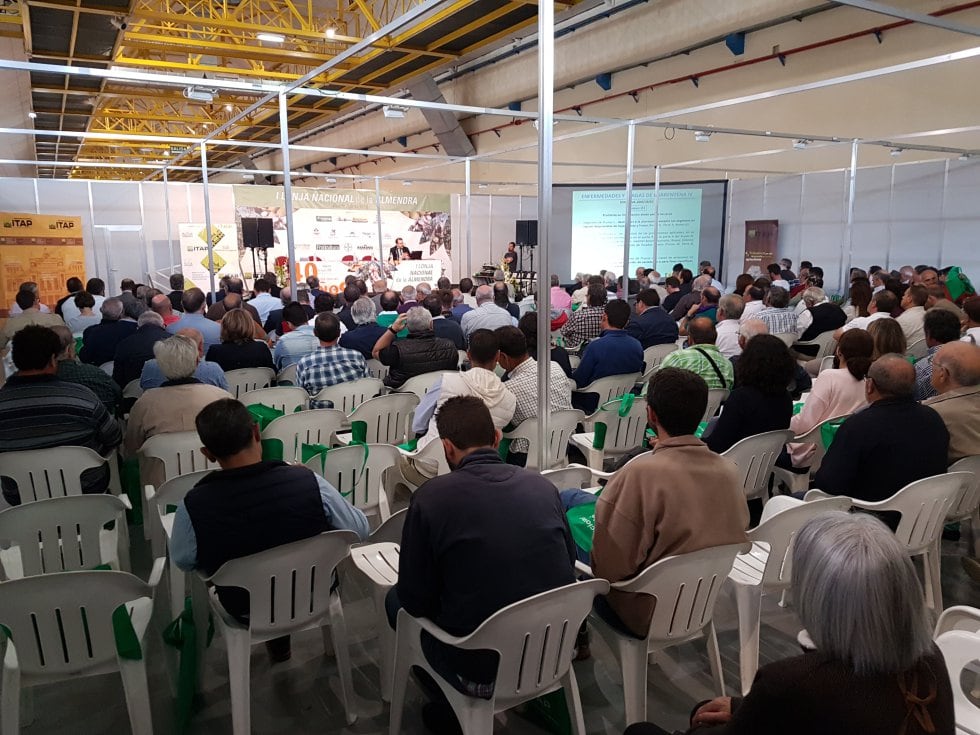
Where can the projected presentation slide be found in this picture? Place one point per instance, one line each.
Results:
(599, 222)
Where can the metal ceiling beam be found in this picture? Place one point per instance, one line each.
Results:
(923, 18)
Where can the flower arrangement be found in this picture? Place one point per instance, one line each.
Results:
(279, 268)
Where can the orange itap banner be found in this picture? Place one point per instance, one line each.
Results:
(44, 248)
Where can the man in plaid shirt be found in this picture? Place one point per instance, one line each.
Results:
(779, 316)
(586, 323)
(329, 364)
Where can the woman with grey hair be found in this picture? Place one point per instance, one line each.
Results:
(875, 669)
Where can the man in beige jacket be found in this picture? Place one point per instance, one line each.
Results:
(682, 497)
(956, 377)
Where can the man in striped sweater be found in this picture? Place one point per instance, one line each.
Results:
(39, 411)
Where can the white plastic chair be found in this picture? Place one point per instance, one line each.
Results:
(573, 476)
(289, 590)
(561, 425)
(431, 458)
(132, 389)
(653, 356)
(52, 473)
(917, 349)
(824, 342)
(960, 649)
(348, 396)
(767, 568)
(685, 587)
(787, 338)
(535, 639)
(826, 363)
(61, 628)
(612, 386)
(244, 380)
(64, 535)
(755, 456)
(968, 507)
(923, 505)
(286, 376)
(316, 426)
(376, 369)
(359, 478)
(716, 396)
(390, 530)
(387, 417)
(800, 481)
(961, 617)
(179, 453)
(623, 433)
(107, 367)
(422, 384)
(378, 562)
(284, 398)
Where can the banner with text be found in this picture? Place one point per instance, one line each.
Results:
(336, 231)
(44, 248)
(194, 260)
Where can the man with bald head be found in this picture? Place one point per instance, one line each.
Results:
(162, 306)
(956, 378)
(209, 373)
(893, 442)
(486, 315)
(235, 286)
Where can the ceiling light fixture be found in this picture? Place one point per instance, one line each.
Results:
(702, 136)
(394, 111)
(330, 180)
(801, 143)
(964, 157)
(406, 182)
(897, 151)
(271, 37)
(229, 108)
(199, 94)
(32, 114)
(331, 32)
(119, 22)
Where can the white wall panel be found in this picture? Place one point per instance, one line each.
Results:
(917, 211)
(17, 195)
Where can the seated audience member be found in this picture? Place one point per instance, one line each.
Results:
(956, 378)
(366, 330)
(560, 298)
(161, 305)
(522, 380)
(95, 379)
(501, 297)
(971, 320)
(760, 401)
(672, 286)
(486, 315)
(893, 442)
(172, 406)
(651, 325)
(86, 317)
(938, 300)
(888, 337)
(298, 339)
(176, 290)
(446, 301)
(728, 324)
(681, 497)
(586, 323)
(132, 306)
(408, 299)
(466, 287)
(859, 299)
(30, 315)
(137, 349)
(233, 302)
(38, 410)
(263, 301)
(99, 342)
(73, 285)
(836, 392)
(691, 298)
(801, 378)
(421, 352)
(559, 355)
(351, 294)
(940, 327)
(96, 288)
(476, 540)
(273, 323)
(615, 352)
(208, 373)
(313, 284)
(238, 349)
(875, 675)
(480, 381)
(31, 286)
(811, 298)
(193, 318)
(778, 315)
(786, 272)
(329, 364)
(820, 315)
(235, 286)
(389, 309)
(707, 307)
(914, 313)
(284, 504)
(880, 308)
(441, 326)
(460, 306)
(754, 298)
(775, 273)
(702, 356)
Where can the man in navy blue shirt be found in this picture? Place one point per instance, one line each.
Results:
(366, 329)
(615, 352)
(651, 325)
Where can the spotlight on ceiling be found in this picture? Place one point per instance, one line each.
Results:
(406, 182)
(331, 32)
(330, 180)
(119, 22)
(702, 136)
(801, 143)
(271, 37)
(964, 157)
(394, 111)
(198, 94)
(897, 151)
(32, 114)
(228, 108)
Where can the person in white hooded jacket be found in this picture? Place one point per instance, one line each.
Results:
(480, 381)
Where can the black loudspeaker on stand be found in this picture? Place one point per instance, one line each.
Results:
(257, 235)
(526, 236)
